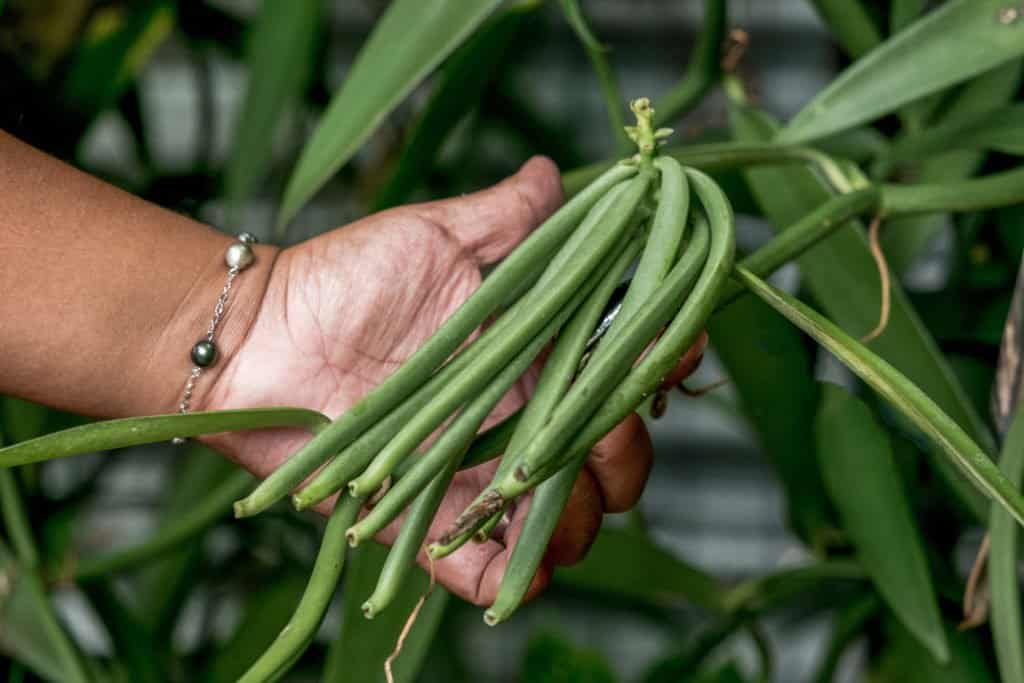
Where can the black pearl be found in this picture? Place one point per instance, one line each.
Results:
(204, 353)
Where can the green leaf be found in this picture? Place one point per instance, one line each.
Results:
(22, 420)
(902, 13)
(135, 431)
(850, 24)
(903, 659)
(842, 275)
(550, 658)
(906, 397)
(280, 61)
(622, 564)
(409, 40)
(463, 80)
(1000, 130)
(757, 346)
(1004, 585)
(116, 44)
(267, 610)
(915, 63)
(857, 464)
(358, 653)
(904, 238)
(29, 630)
(766, 593)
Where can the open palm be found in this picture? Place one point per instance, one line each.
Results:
(344, 310)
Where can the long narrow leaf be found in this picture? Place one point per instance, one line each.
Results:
(843, 276)
(916, 62)
(1004, 583)
(862, 480)
(463, 80)
(407, 43)
(904, 238)
(626, 565)
(850, 23)
(29, 629)
(905, 396)
(135, 431)
(757, 346)
(280, 59)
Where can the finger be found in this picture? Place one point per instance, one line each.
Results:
(491, 222)
(580, 521)
(688, 364)
(621, 463)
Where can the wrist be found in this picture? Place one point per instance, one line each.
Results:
(171, 361)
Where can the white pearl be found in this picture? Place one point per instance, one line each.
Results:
(238, 255)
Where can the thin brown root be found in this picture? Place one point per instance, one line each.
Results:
(489, 504)
(408, 624)
(883, 274)
(734, 49)
(976, 594)
(700, 391)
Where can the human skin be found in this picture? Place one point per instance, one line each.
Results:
(102, 296)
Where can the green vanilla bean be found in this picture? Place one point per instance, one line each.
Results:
(668, 230)
(610, 364)
(682, 276)
(675, 340)
(789, 244)
(555, 378)
(135, 431)
(900, 392)
(546, 508)
(551, 497)
(522, 264)
(298, 633)
(402, 556)
(215, 506)
(490, 444)
(610, 218)
(354, 459)
(453, 443)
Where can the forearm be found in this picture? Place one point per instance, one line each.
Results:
(102, 295)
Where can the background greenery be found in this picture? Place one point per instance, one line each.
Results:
(873, 570)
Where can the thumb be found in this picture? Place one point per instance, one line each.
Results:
(491, 222)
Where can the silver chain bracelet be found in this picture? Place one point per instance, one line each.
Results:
(238, 257)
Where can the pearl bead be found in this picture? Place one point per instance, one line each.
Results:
(247, 238)
(204, 353)
(239, 255)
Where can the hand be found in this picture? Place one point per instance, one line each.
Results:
(342, 311)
